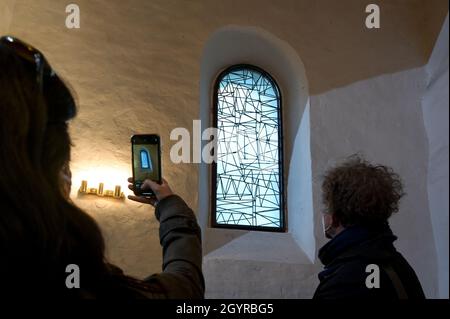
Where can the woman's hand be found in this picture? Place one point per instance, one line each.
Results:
(161, 191)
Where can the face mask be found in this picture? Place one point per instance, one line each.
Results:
(328, 231)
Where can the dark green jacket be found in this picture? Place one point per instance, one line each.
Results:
(182, 276)
(180, 237)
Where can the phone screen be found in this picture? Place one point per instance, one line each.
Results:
(146, 156)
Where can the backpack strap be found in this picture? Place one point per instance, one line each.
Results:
(396, 282)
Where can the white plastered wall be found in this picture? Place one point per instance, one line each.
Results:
(436, 112)
(6, 13)
(254, 255)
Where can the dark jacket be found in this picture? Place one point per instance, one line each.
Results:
(348, 254)
(180, 238)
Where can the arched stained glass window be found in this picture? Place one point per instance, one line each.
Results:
(145, 160)
(248, 174)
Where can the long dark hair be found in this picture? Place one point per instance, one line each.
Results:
(41, 231)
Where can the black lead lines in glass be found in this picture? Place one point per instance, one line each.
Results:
(249, 167)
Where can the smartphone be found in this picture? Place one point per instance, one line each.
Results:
(146, 159)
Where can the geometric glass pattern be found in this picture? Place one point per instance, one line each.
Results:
(145, 160)
(248, 169)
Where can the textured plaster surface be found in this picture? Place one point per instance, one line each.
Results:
(436, 112)
(6, 13)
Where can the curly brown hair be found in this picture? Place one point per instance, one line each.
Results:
(359, 193)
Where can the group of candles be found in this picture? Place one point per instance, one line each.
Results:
(116, 193)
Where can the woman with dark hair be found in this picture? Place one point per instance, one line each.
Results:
(360, 259)
(41, 230)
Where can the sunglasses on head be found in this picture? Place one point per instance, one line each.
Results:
(60, 102)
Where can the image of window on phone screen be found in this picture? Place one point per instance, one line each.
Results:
(146, 158)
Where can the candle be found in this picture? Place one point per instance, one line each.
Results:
(117, 191)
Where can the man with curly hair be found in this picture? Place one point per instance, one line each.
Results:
(360, 259)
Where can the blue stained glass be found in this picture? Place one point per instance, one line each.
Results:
(145, 160)
(248, 169)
